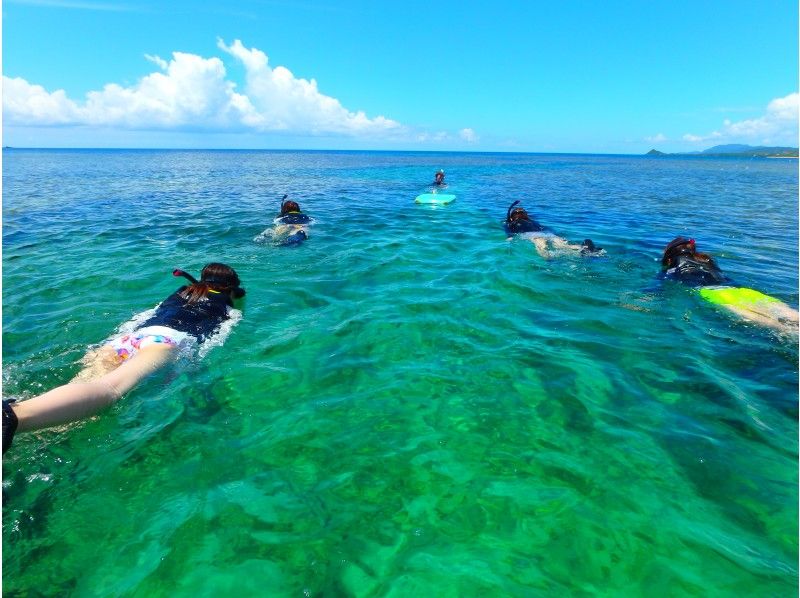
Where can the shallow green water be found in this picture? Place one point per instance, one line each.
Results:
(410, 405)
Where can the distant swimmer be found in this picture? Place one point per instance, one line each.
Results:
(683, 263)
(547, 243)
(190, 315)
(291, 224)
(438, 179)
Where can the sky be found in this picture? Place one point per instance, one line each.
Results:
(617, 76)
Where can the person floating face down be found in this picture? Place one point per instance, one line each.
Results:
(292, 224)
(519, 222)
(682, 263)
(190, 315)
(438, 179)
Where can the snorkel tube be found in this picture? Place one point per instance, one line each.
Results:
(508, 213)
(283, 201)
(186, 275)
(238, 292)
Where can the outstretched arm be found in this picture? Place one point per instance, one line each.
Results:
(79, 400)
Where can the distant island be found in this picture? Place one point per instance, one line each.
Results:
(737, 150)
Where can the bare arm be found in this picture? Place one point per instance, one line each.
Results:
(79, 400)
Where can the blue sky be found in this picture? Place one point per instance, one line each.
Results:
(558, 76)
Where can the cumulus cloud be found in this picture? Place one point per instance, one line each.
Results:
(26, 103)
(285, 102)
(776, 127)
(468, 135)
(192, 92)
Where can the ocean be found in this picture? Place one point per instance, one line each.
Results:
(410, 404)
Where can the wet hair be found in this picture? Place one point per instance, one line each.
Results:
(683, 246)
(289, 206)
(518, 214)
(214, 277)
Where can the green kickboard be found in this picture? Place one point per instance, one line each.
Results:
(734, 296)
(442, 198)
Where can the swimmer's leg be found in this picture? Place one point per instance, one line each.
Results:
(79, 400)
(97, 363)
(777, 316)
(541, 247)
(586, 248)
(560, 243)
(754, 306)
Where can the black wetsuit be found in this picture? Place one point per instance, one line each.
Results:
(695, 273)
(294, 218)
(522, 225)
(200, 319)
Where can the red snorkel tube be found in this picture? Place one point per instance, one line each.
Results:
(186, 275)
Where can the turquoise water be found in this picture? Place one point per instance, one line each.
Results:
(410, 405)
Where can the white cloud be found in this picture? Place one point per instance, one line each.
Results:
(25, 103)
(468, 135)
(192, 92)
(162, 64)
(285, 102)
(658, 138)
(778, 126)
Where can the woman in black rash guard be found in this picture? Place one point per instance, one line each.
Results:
(518, 222)
(192, 313)
(682, 263)
(291, 223)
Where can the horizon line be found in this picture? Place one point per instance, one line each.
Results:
(427, 151)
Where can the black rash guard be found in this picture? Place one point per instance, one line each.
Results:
(695, 273)
(200, 319)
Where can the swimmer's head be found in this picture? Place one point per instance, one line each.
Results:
(677, 247)
(516, 213)
(220, 275)
(214, 277)
(289, 206)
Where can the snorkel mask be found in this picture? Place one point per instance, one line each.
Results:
(511, 212)
(237, 291)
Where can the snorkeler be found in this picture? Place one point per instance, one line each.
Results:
(518, 222)
(438, 179)
(291, 223)
(683, 263)
(191, 314)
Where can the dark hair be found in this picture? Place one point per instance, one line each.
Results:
(216, 277)
(289, 206)
(678, 246)
(518, 214)
(683, 246)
